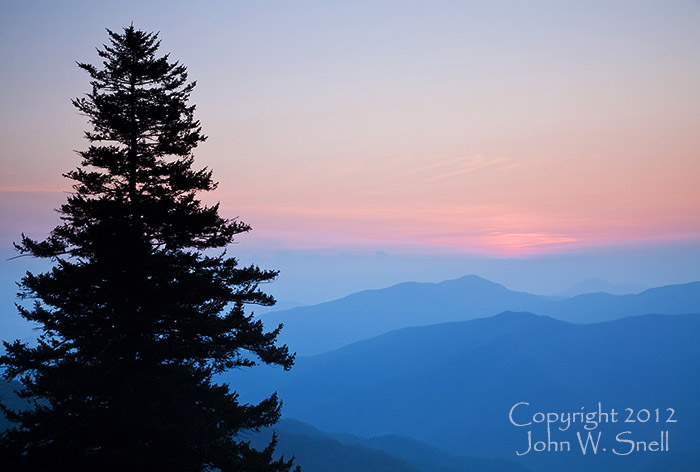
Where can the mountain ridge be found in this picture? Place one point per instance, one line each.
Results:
(452, 384)
(314, 329)
(307, 442)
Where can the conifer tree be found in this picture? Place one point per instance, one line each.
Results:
(137, 313)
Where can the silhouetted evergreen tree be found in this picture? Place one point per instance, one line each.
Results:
(136, 315)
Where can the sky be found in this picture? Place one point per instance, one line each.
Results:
(539, 143)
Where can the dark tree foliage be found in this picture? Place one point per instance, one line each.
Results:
(136, 315)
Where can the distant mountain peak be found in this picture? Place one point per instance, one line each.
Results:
(512, 315)
(473, 282)
(470, 278)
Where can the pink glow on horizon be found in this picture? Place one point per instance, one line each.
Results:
(480, 230)
(477, 204)
(501, 127)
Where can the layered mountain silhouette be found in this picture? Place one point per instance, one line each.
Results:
(452, 385)
(319, 328)
(422, 377)
(317, 451)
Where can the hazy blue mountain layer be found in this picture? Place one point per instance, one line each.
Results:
(319, 328)
(598, 285)
(452, 385)
(317, 451)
